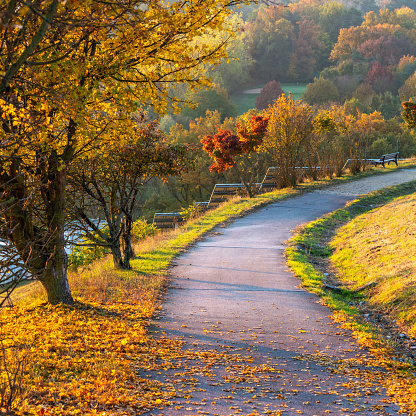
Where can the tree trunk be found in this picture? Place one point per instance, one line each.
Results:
(41, 246)
(117, 255)
(128, 250)
(119, 261)
(128, 225)
(247, 187)
(55, 280)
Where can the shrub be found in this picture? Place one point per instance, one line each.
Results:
(191, 212)
(268, 95)
(321, 91)
(141, 229)
(85, 254)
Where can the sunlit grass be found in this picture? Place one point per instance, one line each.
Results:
(380, 247)
(245, 102)
(296, 89)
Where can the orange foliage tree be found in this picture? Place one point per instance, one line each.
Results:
(225, 146)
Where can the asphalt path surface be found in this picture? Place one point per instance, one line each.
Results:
(254, 341)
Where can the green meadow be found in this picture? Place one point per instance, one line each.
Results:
(245, 102)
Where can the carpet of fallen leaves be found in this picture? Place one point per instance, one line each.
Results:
(82, 359)
(91, 359)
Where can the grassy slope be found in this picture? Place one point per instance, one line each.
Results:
(380, 247)
(365, 239)
(85, 358)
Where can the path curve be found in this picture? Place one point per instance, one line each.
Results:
(266, 345)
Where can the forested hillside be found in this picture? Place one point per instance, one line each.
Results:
(357, 60)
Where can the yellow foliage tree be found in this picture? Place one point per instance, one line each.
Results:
(289, 129)
(70, 73)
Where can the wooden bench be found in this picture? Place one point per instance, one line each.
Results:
(391, 157)
(168, 220)
(223, 191)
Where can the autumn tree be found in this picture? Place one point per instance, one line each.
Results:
(225, 146)
(409, 114)
(111, 180)
(334, 16)
(380, 77)
(408, 89)
(385, 36)
(67, 71)
(366, 124)
(329, 127)
(289, 129)
(387, 49)
(268, 94)
(321, 91)
(215, 98)
(405, 69)
(311, 49)
(387, 104)
(235, 70)
(196, 184)
(270, 38)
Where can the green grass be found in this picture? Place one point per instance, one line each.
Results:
(245, 102)
(379, 246)
(296, 89)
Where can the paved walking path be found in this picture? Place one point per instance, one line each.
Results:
(266, 345)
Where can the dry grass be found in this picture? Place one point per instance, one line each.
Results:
(27, 292)
(380, 246)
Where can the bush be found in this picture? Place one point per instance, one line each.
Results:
(87, 251)
(83, 255)
(141, 229)
(321, 91)
(268, 95)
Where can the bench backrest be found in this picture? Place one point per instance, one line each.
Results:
(390, 156)
(222, 191)
(269, 181)
(167, 219)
